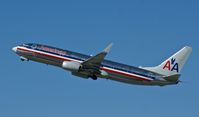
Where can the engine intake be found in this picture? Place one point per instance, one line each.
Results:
(71, 66)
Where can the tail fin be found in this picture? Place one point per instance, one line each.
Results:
(174, 64)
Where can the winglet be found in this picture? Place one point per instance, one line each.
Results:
(108, 48)
(97, 59)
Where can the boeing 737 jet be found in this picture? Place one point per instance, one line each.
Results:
(85, 66)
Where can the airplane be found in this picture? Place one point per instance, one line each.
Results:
(94, 67)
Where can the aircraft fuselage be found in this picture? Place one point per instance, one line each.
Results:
(108, 69)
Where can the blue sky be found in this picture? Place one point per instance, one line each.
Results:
(143, 32)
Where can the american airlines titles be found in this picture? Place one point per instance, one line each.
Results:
(53, 50)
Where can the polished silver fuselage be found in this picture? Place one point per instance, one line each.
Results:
(116, 71)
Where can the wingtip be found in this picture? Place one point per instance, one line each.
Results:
(189, 48)
(108, 48)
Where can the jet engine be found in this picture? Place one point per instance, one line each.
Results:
(71, 66)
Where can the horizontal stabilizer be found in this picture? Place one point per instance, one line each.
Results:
(172, 78)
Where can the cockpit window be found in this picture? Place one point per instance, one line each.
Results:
(34, 46)
(24, 45)
(29, 45)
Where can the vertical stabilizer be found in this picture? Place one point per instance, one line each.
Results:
(174, 64)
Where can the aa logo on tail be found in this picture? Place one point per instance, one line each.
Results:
(171, 65)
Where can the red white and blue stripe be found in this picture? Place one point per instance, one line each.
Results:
(68, 58)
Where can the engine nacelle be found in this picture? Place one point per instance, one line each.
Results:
(104, 73)
(72, 66)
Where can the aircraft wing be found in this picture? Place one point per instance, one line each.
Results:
(94, 62)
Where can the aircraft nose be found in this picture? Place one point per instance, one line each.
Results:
(14, 49)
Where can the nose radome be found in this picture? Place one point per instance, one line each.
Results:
(14, 49)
